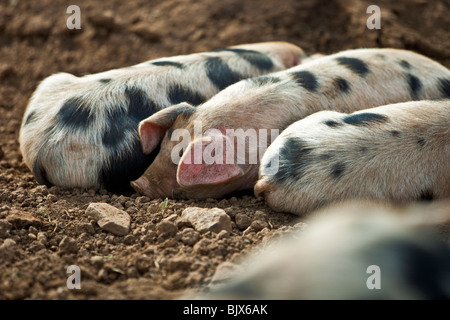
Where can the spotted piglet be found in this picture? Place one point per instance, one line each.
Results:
(346, 252)
(395, 153)
(250, 113)
(82, 131)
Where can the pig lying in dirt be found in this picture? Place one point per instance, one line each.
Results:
(396, 153)
(356, 251)
(82, 131)
(199, 154)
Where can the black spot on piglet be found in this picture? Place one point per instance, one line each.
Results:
(342, 85)
(415, 85)
(120, 121)
(426, 195)
(332, 123)
(364, 119)
(178, 94)
(405, 64)
(220, 73)
(395, 133)
(444, 86)
(337, 170)
(74, 114)
(126, 164)
(421, 142)
(31, 117)
(259, 60)
(356, 65)
(294, 159)
(306, 79)
(168, 63)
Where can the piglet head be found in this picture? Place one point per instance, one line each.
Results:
(156, 130)
(190, 163)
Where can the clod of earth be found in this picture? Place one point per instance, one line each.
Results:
(203, 220)
(110, 218)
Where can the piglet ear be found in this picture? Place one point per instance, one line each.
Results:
(152, 130)
(150, 135)
(207, 162)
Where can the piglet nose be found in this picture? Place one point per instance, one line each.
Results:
(261, 187)
(141, 186)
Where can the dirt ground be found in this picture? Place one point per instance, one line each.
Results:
(43, 231)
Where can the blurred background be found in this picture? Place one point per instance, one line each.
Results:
(35, 42)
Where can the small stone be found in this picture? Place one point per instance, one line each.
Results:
(223, 234)
(97, 261)
(40, 190)
(166, 228)
(110, 218)
(5, 227)
(142, 199)
(171, 218)
(9, 243)
(102, 274)
(150, 236)
(248, 231)
(68, 245)
(203, 219)
(259, 215)
(171, 242)
(129, 239)
(21, 219)
(203, 246)
(85, 227)
(7, 250)
(129, 204)
(35, 246)
(42, 238)
(132, 272)
(179, 263)
(33, 230)
(242, 221)
(258, 225)
(224, 272)
(182, 222)
(189, 236)
(54, 190)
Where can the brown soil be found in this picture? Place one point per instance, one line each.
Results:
(43, 231)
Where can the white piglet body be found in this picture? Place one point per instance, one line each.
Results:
(394, 153)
